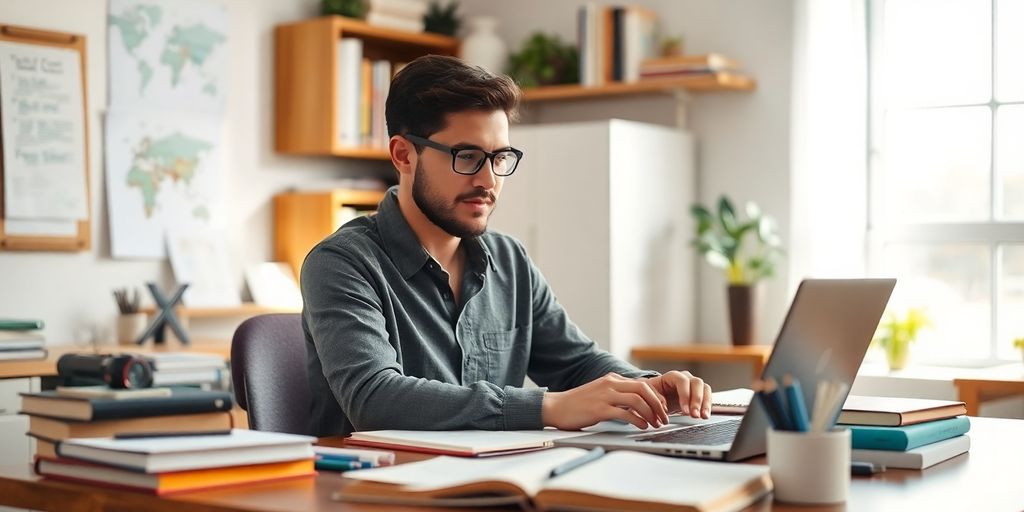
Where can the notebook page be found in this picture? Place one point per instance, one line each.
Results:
(480, 441)
(643, 477)
(528, 470)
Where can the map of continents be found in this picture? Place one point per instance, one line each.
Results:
(184, 45)
(171, 158)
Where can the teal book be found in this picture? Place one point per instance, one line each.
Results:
(13, 324)
(907, 437)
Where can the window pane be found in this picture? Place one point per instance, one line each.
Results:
(935, 165)
(1011, 301)
(952, 282)
(1009, 50)
(937, 52)
(1010, 159)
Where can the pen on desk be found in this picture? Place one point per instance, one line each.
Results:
(795, 398)
(566, 467)
(774, 399)
(144, 435)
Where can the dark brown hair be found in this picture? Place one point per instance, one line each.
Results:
(433, 86)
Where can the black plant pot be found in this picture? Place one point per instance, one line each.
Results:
(743, 301)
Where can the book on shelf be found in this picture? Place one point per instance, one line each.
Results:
(916, 458)
(167, 483)
(23, 355)
(182, 401)
(465, 443)
(885, 411)
(395, 21)
(21, 339)
(183, 453)
(53, 429)
(620, 480)
(20, 324)
(350, 58)
(414, 9)
(675, 63)
(909, 436)
(613, 41)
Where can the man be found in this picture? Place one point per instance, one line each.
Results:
(419, 318)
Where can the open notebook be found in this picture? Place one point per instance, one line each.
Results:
(621, 480)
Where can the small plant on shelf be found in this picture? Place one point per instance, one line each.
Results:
(347, 8)
(442, 20)
(896, 333)
(544, 60)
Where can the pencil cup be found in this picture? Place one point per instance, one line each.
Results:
(809, 467)
(129, 327)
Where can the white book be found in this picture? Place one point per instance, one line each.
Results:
(620, 480)
(185, 361)
(182, 453)
(382, 19)
(26, 344)
(350, 59)
(407, 8)
(18, 355)
(918, 458)
(187, 377)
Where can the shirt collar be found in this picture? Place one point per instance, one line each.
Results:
(404, 247)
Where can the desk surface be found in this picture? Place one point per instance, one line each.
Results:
(47, 367)
(983, 479)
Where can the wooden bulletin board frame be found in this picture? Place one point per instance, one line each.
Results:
(82, 241)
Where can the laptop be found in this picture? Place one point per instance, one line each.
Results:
(824, 336)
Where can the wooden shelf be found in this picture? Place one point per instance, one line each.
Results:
(246, 309)
(717, 82)
(306, 79)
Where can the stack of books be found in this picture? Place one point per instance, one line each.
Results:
(397, 14)
(188, 369)
(613, 41)
(172, 464)
(70, 413)
(363, 86)
(21, 339)
(680, 66)
(906, 433)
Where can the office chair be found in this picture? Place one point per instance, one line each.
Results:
(268, 369)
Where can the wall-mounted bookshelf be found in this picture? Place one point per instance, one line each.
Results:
(716, 82)
(306, 79)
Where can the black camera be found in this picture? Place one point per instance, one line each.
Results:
(119, 371)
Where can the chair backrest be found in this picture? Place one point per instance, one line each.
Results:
(268, 369)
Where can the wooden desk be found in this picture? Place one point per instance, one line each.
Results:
(975, 390)
(48, 367)
(980, 480)
(754, 355)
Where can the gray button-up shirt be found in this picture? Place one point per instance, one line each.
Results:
(389, 348)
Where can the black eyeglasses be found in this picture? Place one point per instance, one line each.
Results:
(470, 160)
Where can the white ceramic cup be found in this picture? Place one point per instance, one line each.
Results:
(130, 326)
(810, 467)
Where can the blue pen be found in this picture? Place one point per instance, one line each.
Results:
(758, 387)
(340, 465)
(336, 456)
(774, 400)
(566, 467)
(797, 408)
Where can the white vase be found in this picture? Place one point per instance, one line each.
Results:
(482, 46)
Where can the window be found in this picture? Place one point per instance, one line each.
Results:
(946, 169)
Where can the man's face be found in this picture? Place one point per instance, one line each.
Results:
(461, 204)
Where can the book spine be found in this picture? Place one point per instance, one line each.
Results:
(907, 438)
(162, 406)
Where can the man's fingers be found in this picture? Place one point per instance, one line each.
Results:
(627, 415)
(706, 411)
(647, 394)
(696, 396)
(682, 384)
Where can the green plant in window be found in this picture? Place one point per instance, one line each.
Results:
(544, 60)
(895, 334)
(720, 240)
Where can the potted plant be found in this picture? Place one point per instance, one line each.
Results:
(544, 60)
(442, 20)
(720, 240)
(347, 8)
(1019, 345)
(896, 333)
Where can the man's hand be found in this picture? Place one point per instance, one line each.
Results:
(684, 393)
(612, 397)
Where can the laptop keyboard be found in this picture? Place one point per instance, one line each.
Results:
(707, 434)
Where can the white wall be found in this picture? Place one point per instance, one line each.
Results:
(742, 138)
(72, 291)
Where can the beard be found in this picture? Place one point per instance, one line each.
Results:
(443, 215)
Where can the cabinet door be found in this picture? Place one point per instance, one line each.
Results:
(15, 447)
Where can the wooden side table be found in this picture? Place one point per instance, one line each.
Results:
(754, 355)
(974, 391)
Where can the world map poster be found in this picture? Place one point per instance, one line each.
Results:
(168, 54)
(163, 172)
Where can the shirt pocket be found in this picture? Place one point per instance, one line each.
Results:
(508, 355)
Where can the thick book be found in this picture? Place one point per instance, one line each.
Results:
(19, 324)
(54, 429)
(886, 411)
(23, 355)
(183, 453)
(917, 458)
(907, 437)
(465, 443)
(620, 480)
(182, 401)
(163, 484)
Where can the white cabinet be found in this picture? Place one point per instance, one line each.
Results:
(15, 446)
(602, 208)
